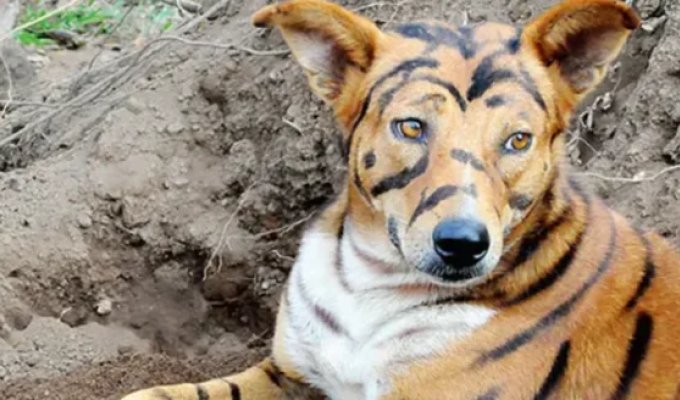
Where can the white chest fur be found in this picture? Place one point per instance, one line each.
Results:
(348, 333)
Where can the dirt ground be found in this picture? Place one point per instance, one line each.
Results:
(146, 230)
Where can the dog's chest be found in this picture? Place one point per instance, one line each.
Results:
(350, 343)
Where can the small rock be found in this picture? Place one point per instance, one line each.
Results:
(84, 221)
(104, 307)
(18, 318)
(174, 128)
(134, 106)
(14, 184)
(74, 316)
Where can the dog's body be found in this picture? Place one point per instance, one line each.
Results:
(460, 261)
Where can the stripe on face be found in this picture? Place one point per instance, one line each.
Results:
(556, 373)
(485, 76)
(442, 193)
(438, 35)
(637, 351)
(369, 160)
(387, 97)
(495, 101)
(403, 178)
(558, 313)
(467, 158)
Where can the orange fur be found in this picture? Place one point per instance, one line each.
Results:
(586, 305)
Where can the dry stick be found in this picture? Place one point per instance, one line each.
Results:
(16, 103)
(222, 241)
(633, 179)
(227, 46)
(10, 85)
(93, 92)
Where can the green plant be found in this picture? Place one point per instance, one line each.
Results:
(91, 18)
(88, 18)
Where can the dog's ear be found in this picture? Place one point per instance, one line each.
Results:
(334, 46)
(578, 39)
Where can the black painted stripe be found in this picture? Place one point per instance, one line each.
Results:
(402, 178)
(495, 101)
(321, 313)
(557, 371)
(234, 390)
(393, 232)
(520, 201)
(532, 242)
(387, 96)
(442, 193)
(362, 189)
(528, 84)
(439, 35)
(202, 393)
(637, 351)
(486, 76)
(562, 310)
(647, 277)
(554, 274)
(468, 158)
(491, 394)
(369, 159)
(273, 373)
(513, 44)
(450, 87)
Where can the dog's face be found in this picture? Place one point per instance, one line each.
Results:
(453, 134)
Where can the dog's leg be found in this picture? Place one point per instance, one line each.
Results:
(263, 381)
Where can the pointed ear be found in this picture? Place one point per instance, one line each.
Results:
(578, 39)
(334, 46)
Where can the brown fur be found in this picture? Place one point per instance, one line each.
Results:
(586, 304)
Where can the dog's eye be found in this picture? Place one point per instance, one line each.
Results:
(518, 142)
(410, 128)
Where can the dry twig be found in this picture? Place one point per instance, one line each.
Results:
(637, 178)
(10, 86)
(223, 240)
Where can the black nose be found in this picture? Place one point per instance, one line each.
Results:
(460, 242)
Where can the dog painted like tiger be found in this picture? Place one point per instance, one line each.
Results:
(461, 261)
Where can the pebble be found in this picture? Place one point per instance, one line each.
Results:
(84, 221)
(104, 307)
(174, 128)
(73, 316)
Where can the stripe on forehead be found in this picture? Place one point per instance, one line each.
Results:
(435, 35)
(486, 75)
(387, 96)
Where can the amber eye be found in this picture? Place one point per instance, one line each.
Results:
(518, 142)
(409, 128)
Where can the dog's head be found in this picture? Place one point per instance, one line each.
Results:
(453, 134)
